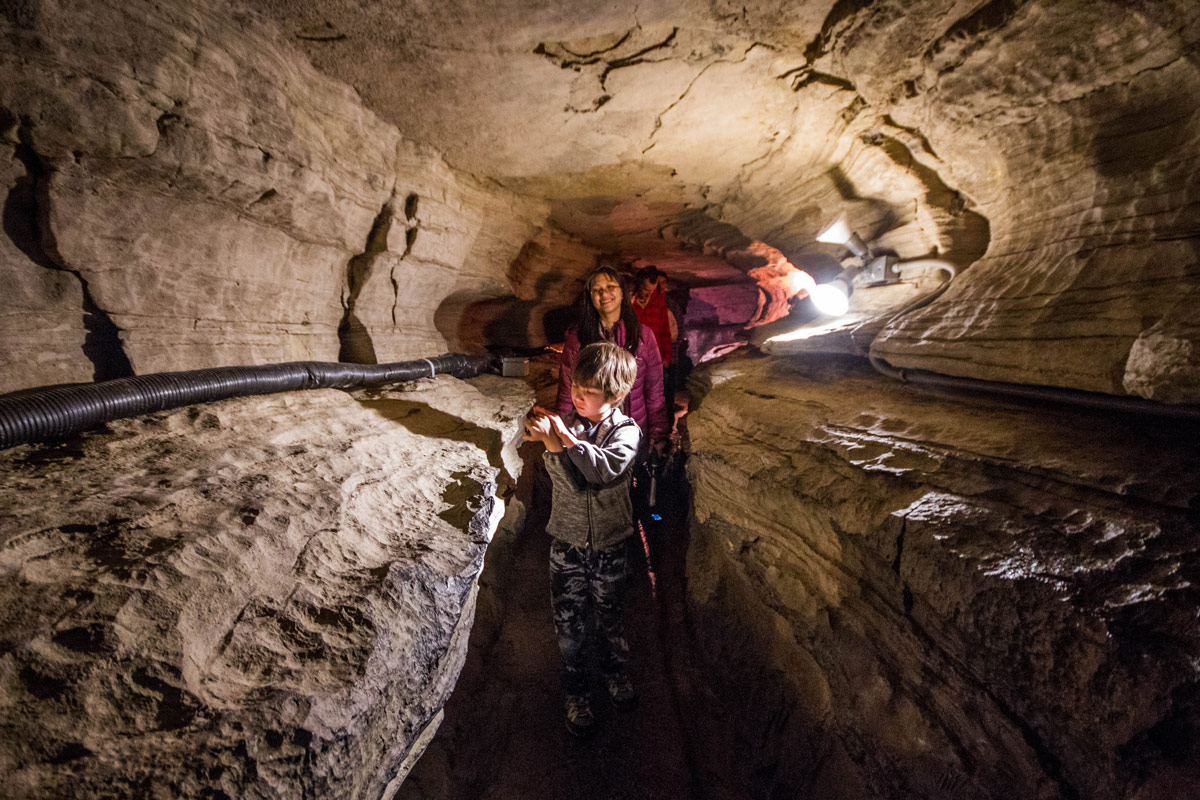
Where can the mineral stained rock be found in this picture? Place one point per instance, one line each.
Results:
(910, 596)
(263, 597)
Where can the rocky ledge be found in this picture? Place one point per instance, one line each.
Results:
(910, 596)
(264, 597)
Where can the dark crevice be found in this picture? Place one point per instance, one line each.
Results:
(356, 344)
(989, 17)
(264, 197)
(26, 222)
(805, 76)
(566, 59)
(900, 545)
(320, 33)
(636, 58)
(969, 231)
(842, 10)
(573, 61)
(601, 51)
(850, 112)
(411, 204)
(914, 132)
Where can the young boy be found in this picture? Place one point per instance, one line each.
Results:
(588, 457)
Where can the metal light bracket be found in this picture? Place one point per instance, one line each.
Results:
(881, 270)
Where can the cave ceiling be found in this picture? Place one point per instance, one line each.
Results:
(235, 181)
(627, 115)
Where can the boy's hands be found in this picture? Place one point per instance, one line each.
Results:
(542, 426)
(562, 432)
(560, 427)
(537, 428)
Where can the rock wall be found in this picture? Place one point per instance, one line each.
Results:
(184, 190)
(1048, 145)
(1073, 127)
(264, 597)
(544, 282)
(916, 597)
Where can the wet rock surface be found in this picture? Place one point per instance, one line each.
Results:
(265, 597)
(912, 596)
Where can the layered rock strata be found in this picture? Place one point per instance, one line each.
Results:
(910, 596)
(1051, 143)
(1083, 162)
(190, 192)
(263, 597)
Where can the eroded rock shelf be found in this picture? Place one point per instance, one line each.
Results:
(266, 597)
(914, 596)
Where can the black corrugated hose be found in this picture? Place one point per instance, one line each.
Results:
(1120, 404)
(37, 415)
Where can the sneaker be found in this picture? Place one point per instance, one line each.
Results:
(624, 698)
(580, 721)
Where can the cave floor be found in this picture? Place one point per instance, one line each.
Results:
(503, 734)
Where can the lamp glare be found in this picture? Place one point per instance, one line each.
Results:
(836, 232)
(830, 298)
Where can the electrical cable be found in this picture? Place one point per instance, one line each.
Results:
(1022, 391)
(1047, 394)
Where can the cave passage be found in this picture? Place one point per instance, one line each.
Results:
(893, 589)
(503, 734)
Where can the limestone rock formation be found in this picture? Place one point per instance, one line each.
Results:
(42, 324)
(912, 596)
(220, 201)
(265, 597)
(1057, 138)
(919, 596)
(1084, 172)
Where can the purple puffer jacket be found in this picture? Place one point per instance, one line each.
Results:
(645, 402)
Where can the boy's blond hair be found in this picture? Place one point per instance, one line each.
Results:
(604, 366)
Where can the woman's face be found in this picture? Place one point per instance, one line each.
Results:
(606, 295)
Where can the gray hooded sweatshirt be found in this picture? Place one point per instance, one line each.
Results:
(590, 504)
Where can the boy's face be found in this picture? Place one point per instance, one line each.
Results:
(590, 402)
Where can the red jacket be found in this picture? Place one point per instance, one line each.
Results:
(645, 402)
(656, 317)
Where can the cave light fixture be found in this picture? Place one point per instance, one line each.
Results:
(833, 297)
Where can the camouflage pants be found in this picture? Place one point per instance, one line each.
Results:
(587, 593)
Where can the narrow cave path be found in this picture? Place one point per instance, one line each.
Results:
(503, 735)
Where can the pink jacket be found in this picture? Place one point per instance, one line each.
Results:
(645, 402)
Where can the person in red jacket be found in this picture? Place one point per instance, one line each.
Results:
(650, 305)
(605, 314)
